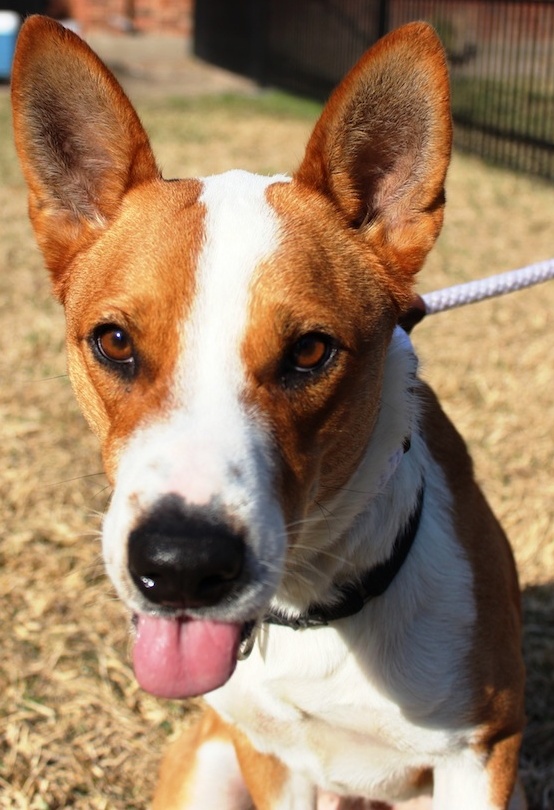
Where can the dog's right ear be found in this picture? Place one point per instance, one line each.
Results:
(79, 140)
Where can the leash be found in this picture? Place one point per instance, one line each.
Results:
(471, 292)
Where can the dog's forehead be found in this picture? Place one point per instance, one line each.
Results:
(241, 229)
(267, 269)
(272, 247)
(238, 196)
(190, 231)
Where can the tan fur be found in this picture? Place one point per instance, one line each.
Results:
(102, 293)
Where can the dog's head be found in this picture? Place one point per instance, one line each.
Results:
(227, 337)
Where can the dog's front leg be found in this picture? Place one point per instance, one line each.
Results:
(200, 770)
(271, 784)
(481, 781)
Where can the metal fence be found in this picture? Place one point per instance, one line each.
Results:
(501, 56)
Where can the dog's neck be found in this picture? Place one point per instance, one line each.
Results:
(355, 530)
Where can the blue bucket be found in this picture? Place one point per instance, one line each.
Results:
(9, 26)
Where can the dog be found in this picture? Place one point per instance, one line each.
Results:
(295, 524)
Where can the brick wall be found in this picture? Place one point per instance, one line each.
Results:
(144, 16)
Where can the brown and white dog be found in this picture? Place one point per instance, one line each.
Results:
(284, 485)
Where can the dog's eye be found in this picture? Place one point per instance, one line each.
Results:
(311, 352)
(113, 344)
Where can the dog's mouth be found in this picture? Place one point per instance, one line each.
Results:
(184, 657)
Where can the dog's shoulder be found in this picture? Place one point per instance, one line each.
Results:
(494, 660)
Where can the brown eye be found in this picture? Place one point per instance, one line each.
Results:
(311, 352)
(114, 344)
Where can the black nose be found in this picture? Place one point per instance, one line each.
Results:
(183, 559)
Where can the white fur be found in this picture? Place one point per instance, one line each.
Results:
(462, 782)
(226, 792)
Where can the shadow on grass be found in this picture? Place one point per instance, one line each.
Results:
(538, 743)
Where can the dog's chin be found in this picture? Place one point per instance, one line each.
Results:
(181, 657)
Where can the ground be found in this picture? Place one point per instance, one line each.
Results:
(75, 730)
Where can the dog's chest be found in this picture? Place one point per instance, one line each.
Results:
(332, 722)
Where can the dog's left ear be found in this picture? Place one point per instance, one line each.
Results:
(80, 142)
(381, 149)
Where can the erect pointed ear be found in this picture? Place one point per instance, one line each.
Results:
(80, 142)
(381, 148)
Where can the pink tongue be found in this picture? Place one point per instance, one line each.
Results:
(179, 658)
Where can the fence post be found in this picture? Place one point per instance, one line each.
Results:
(259, 16)
(383, 18)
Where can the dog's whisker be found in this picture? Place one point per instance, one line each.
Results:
(83, 477)
(101, 491)
(346, 489)
(301, 572)
(44, 379)
(324, 510)
(310, 520)
(322, 552)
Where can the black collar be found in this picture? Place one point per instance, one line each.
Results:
(354, 595)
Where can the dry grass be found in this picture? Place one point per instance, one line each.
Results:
(74, 729)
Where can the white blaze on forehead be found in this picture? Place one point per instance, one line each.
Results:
(241, 229)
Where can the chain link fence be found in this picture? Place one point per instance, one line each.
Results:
(501, 56)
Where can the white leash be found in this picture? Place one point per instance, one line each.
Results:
(472, 291)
